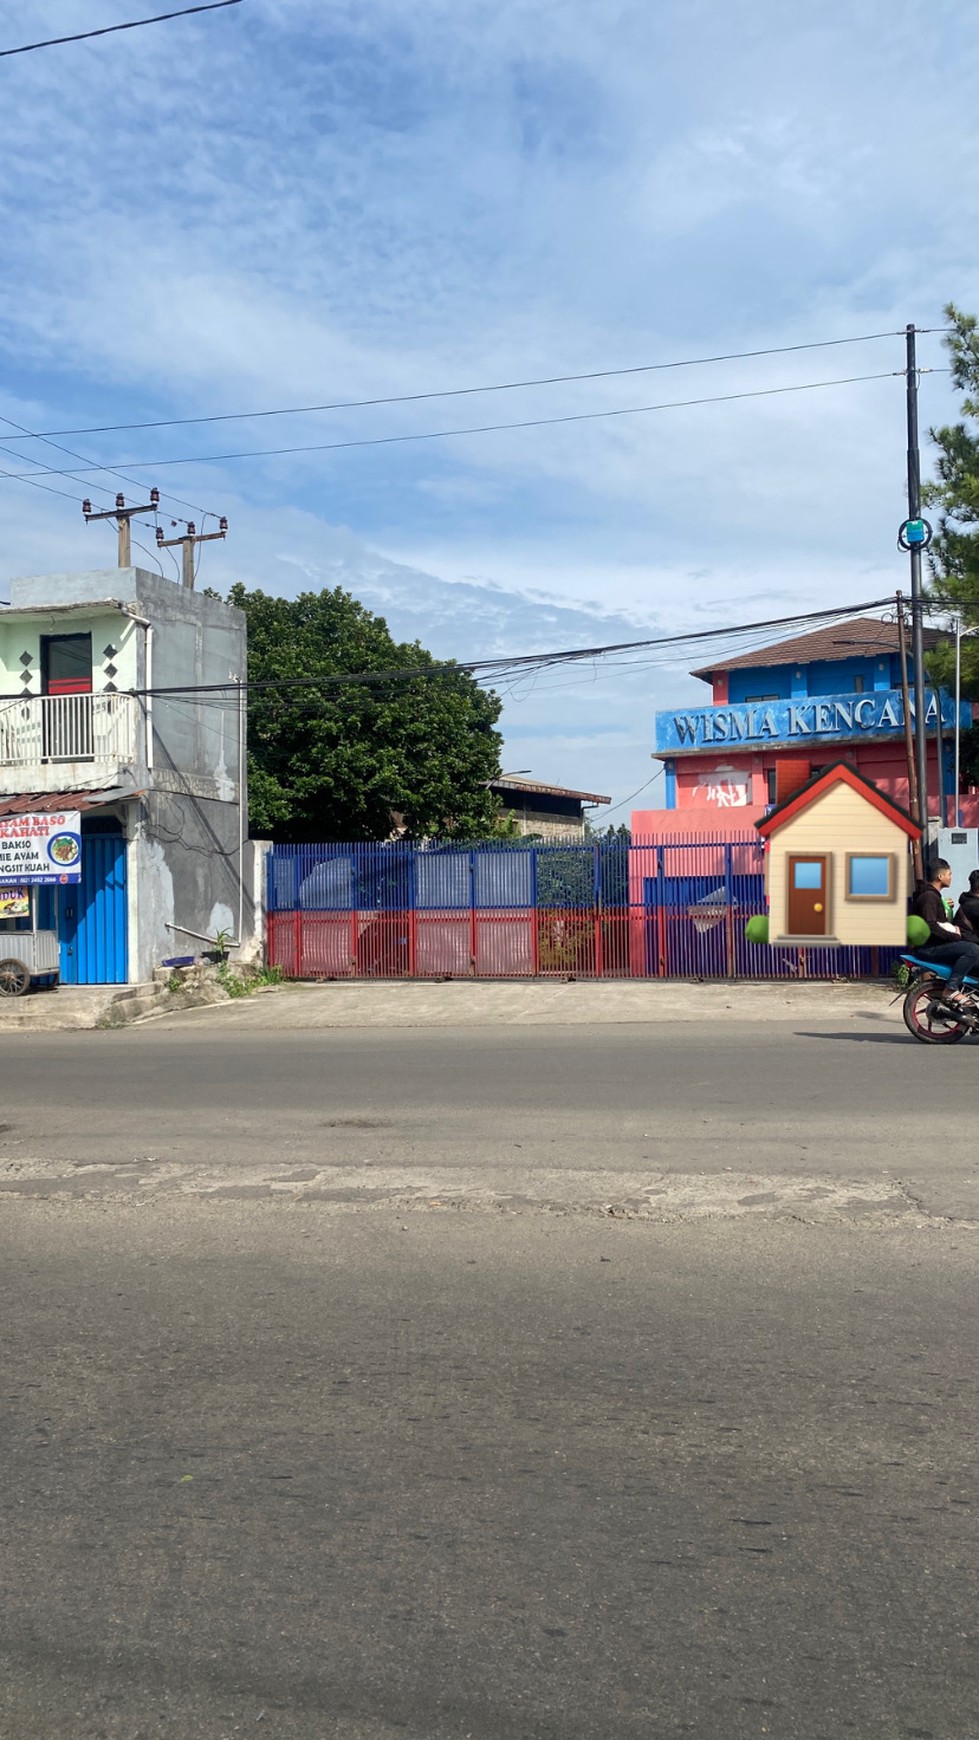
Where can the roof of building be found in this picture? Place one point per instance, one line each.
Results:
(841, 640)
(507, 782)
(840, 773)
(45, 803)
(78, 607)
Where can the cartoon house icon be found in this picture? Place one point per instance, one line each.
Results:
(838, 864)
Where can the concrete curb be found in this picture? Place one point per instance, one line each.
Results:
(464, 1004)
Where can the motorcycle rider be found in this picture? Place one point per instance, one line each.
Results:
(946, 946)
(967, 915)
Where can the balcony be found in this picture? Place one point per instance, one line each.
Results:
(57, 742)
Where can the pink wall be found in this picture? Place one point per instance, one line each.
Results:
(734, 787)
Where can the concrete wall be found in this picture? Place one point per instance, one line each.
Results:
(186, 868)
(189, 864)
(549, 826)
(836, 824)
(195, 640)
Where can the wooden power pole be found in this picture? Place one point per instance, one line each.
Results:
(122, 516)
(187, 542)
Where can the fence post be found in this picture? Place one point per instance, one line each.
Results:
(729, 908)
(534, 916)
(296, 859)
(597, 910)
(662, 944)
(473, 933)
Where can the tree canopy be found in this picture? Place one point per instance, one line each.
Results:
(333, 760)
(954, 555)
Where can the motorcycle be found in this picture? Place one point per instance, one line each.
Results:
(925, 1015)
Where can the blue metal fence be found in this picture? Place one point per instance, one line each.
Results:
(510, 909)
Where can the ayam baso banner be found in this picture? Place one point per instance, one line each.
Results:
(40, 849)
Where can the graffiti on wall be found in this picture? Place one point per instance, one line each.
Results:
(728, 788)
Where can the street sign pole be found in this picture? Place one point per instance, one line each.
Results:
(914, 547)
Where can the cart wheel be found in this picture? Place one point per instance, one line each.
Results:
(14, 978)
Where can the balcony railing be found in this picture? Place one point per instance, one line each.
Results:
(53, 729)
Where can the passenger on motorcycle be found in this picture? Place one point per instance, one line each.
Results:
(967, 915)
(946, 946)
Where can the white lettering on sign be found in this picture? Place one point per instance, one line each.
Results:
(829, 716)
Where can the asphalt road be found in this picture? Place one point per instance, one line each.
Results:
(790, 1100)
(272, 1472)
(338, 1406)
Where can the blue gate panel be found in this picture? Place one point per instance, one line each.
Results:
(504, 878)
(93, 916)
(442, 881)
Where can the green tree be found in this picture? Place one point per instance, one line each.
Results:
(349, 761)
(954, 554)
(955, 491)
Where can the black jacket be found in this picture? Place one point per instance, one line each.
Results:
(967, 916)
(929, 905)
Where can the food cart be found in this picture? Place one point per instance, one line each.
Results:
(35, 851)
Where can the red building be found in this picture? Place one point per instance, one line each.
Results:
(779, 714)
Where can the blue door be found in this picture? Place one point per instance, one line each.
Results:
(92, 918)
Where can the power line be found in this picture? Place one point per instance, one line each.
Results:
(481, 429)
(495, 669)
(15, 477)
(633, 794)
(29, 435)
(464, 392)
(111, 29)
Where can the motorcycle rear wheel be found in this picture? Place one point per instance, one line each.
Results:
(926, 1021)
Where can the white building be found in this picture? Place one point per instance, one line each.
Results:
(159, 779)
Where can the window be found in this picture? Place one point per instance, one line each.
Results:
(66, 664)
(869, 876)
(807, 873)
(771, 782)
(753, 700)
(858, 685)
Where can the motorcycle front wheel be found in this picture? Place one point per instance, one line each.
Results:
(926, 1021)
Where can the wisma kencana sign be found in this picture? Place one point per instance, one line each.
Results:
(818, 719)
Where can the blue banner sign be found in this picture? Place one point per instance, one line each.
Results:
(810, 719)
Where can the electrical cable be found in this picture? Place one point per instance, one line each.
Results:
(111, 29)
(100, 488)
(465, 392)
(16, 478)
(497, 668)
(154, 558)
(480, 429)
(633, 794)
(30, 435)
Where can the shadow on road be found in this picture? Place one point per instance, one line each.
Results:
(861, 1038)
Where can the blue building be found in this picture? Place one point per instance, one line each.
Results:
(779, 714)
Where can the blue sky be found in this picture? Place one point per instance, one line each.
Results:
(292, 201)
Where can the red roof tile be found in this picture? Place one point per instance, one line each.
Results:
(49, 802)
(841, 640)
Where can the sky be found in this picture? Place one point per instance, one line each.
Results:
(294, 202)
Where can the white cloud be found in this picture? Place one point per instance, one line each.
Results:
(295, 203)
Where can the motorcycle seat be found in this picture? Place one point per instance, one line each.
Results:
(940, 969)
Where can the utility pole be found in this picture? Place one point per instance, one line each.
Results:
(908, 738)
(122, 516)
(916, 536)
(187, 541)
